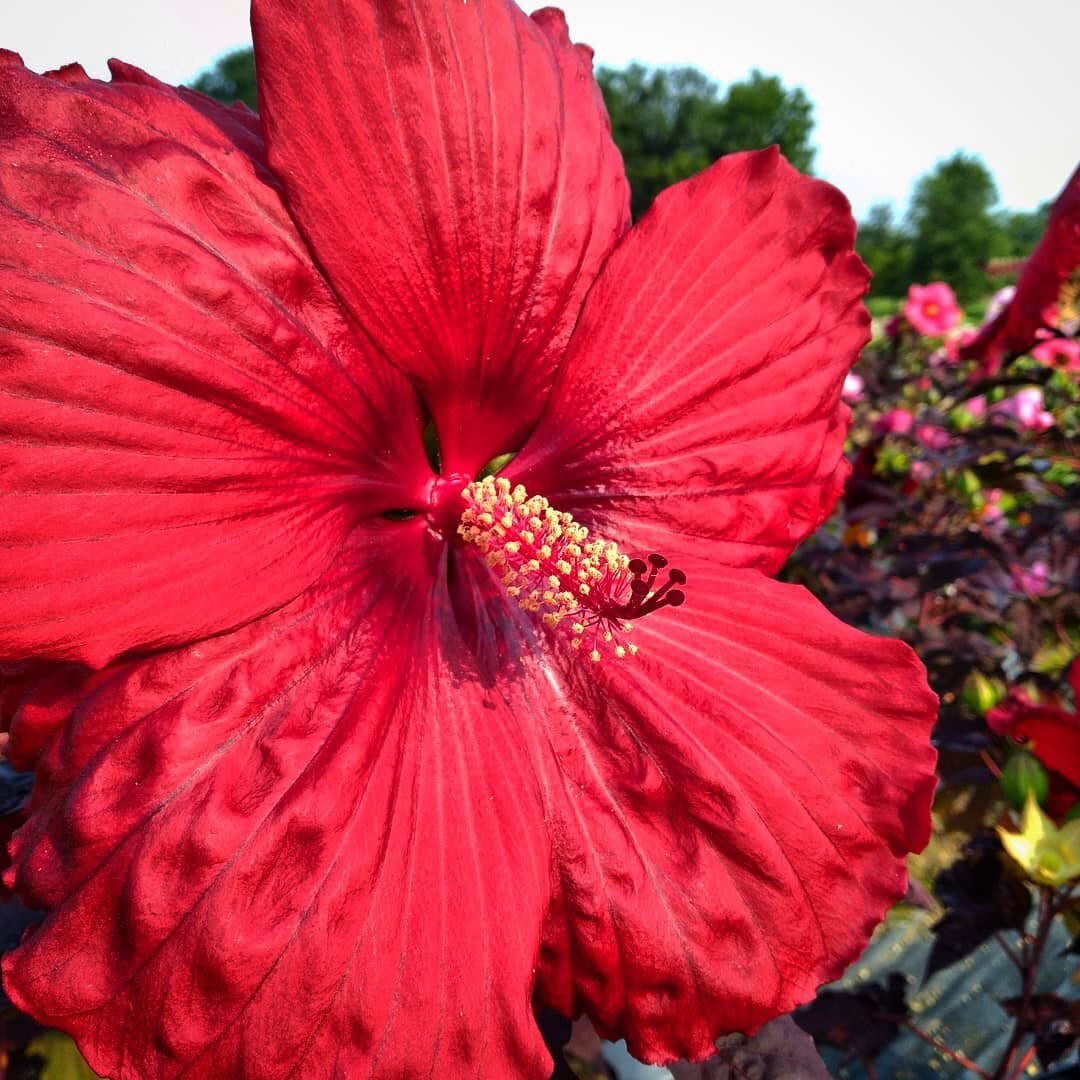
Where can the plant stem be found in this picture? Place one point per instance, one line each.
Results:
(945, 1051)
(1008, 950)
(1023, 1063)
(1031, 954)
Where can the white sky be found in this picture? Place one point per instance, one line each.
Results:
(896, 86)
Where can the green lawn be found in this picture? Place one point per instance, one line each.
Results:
(881, 307)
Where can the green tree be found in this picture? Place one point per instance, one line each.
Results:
(886, 249)
(232, 78)
(760, 111)
(1020, 230)
(954, 232)
(671, 123)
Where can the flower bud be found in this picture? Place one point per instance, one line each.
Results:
(968, 483)
(1024, 775)
(980, 694)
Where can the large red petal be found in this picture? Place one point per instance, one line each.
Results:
(737, 804)
(188, 425)
(702, 386)
(452, 167)
(313, 847)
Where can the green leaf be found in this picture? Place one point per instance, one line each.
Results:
(61, 1056)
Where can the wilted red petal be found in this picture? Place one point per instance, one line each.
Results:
(701, 390)
(1054, 260)
(1054, 732)
(452, 167)
(738, 801)
(311, 847)
(185, 412)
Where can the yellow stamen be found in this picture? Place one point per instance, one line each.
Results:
(549, 561)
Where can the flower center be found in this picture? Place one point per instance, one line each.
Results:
(551, 566)
(1050, 861)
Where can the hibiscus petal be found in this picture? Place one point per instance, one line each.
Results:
(185, 413)
(702, 387)
(452, 167)
(738, 801)
(310, 847)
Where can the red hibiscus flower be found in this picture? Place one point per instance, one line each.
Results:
(1039, 288)
(932, 309)
(1054, 734)
(316, 793)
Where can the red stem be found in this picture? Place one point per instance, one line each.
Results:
(945, 1051)
(1008, 950)
(1031, 954)
(1023, 1063)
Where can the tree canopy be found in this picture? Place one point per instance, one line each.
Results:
(671, 123)
(231, 79)
(954, 233)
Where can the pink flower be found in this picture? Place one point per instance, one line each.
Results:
(325, 784)
(1058, 352)
(976, 406)
(922, 471)
(955, 342)
(932, 436)
(1033, 580)
(932, 309)
(991, 512)
(1026, 410)
(998, 303)
(894, 422)
(853, 387)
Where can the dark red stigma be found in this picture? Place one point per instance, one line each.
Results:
(641, 602)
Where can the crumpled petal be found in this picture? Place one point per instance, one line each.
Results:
(702, 386)
(313, 847)
(188, 424)
(736, 806)
(1053, 731)
(452, 167)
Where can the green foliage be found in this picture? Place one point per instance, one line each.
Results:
(953, 229)
(231, 79)
(951, 233)
(671, 123)
(886, 249)
(59, 1057)
(1019, 230)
